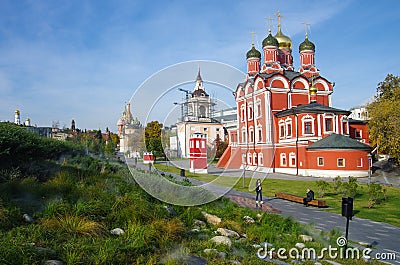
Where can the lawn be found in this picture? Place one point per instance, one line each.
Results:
(387, 211)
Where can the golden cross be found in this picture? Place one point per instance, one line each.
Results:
(269, 19)
(252, 37)
(306, 24)
(279, 18)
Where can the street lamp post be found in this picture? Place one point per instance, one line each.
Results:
(369, 167)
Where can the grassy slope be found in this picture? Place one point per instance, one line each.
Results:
(386, 212)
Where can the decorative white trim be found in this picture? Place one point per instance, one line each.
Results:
(320, 158)
(292, 156)
(283, 160)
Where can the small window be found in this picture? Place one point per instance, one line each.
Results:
(259, 135)
(281, 131)
(320, 161)
(250, 112)
(328, 125)
(205, 129)
(292, 159)
(307, 127)
(217, 129)
(260, 159)
(249, 158)
(358, 134)
(344, 127)
(340, 162)
(289, 130)
(283, 160)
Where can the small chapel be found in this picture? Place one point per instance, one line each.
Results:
(286, 122)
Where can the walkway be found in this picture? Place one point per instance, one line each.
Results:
(383, 237)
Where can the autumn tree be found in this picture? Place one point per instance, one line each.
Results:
(153, 138)
(384, 114)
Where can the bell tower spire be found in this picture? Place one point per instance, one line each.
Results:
(253, 57)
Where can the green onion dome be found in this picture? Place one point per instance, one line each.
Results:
(270, 41)
(253, 52)
(306, 45)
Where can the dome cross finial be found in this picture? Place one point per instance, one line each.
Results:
(252, 38)
(307, 27)
(279, 16)
(269, 19)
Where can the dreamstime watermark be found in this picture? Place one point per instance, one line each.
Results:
(331, 252)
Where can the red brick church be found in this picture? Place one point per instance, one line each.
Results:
(286, 122)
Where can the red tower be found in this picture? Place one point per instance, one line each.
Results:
(198, 153)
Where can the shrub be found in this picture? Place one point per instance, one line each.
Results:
(375, 194)
(350, 187)
(337, 184)
(322, 187)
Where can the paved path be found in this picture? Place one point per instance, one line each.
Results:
(384, 238)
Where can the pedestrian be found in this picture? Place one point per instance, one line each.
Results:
(259, 192)
(309, 197)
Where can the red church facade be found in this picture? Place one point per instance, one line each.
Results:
(286, 122)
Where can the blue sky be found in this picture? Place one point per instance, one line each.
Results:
(63, 60)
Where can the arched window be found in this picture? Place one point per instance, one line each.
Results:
(258, 109)
(202, 111)
(260, 159)
(345, 125)
(251, 134)
(250, 110)
(259, 133)
(292, 159)
(244, 135)
(283, 160)
(242, 113)
(281, 129)
(288, 123)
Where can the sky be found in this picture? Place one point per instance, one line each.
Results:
(82, 60)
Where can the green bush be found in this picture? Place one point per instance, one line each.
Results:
(376, 194)
(349, 188)
(337, 184)
(322, 187)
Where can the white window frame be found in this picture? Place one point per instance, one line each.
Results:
(258, 109)
(250, 109)
(260, 159)
(360, 159)
(251, 134)
(249, 159)
(255, 158)
(305, 119)
(323, 161)
(332, 118)
(344, 162)
(282, 157)
(281, 124)
(242, 112)
(344, 121)
(287, 123)
(259, 133)
(244, 135)
(291, 156)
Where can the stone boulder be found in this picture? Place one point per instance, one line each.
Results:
(117, 231)
(300, 245)
(248, 220)
(211, 219)
(199, 223)
(227, 232)
(27, 218)
(222, 240)
(306, 238)
(53, 262)
(171, 211)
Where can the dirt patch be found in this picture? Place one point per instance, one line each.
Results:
(251, 203)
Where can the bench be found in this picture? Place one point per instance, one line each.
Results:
(299, 199)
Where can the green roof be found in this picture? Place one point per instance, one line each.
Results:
(306, 45)
(313, 107)
(270, 41)
(338, 141)
(253, 52)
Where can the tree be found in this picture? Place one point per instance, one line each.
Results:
(153, 138)
(384, 113)
(220, 147)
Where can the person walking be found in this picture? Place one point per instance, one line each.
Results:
(259, 193)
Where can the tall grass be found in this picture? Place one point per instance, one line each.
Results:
(74, 225)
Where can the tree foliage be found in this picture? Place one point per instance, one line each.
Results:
(153, 138)
(384, 113)
(19, 146)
